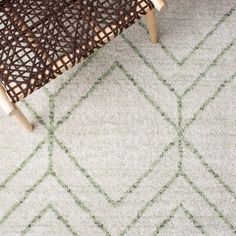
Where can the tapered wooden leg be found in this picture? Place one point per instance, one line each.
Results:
(20, 118)
(12, 110)
(151, 22)
(159, 4)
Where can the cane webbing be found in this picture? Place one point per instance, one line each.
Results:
(39, 39)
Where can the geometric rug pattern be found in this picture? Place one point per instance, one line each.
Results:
(138, 139)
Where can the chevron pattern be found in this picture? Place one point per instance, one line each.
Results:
(145, 143)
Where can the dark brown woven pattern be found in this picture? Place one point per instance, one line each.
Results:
(39, 39)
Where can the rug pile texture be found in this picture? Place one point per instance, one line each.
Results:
(137, 140)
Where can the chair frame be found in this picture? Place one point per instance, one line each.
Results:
(12, 110)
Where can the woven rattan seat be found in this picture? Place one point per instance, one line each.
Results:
(40, 39)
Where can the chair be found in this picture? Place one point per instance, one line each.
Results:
(40, 39)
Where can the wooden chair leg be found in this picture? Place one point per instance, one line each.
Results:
(159, 4)
(20, 118)
(12, 110)
(151, 22)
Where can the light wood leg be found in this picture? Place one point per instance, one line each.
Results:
(159, 4)
(20, 118)
(12, 110)
(151, 22)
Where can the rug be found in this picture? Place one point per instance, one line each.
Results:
(138, 140)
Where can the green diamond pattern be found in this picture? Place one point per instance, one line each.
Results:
(181, 142)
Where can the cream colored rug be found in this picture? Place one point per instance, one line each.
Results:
(139, 139)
